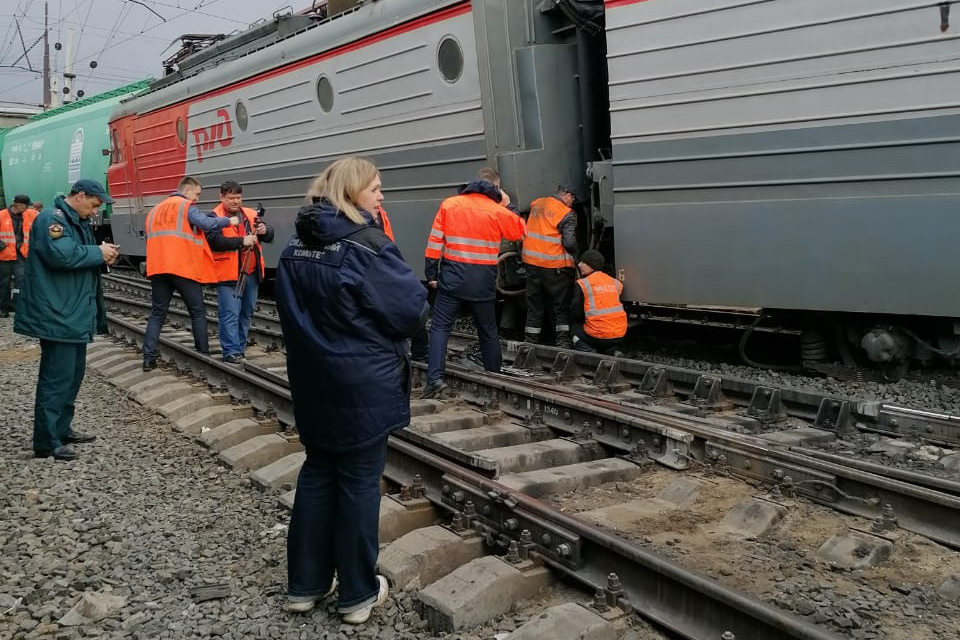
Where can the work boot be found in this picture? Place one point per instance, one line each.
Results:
(581, 345)
(563, 340)
(149, 364)
(532, 339)
(433, 390)
(60, 453)
(75, 437)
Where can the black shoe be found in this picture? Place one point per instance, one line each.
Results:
(60, 453)
(581, 345)
(4, 314)
(433, 389)
(149, 365)
(75, 437)
(233, 358)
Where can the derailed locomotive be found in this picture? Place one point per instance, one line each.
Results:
(790, 161)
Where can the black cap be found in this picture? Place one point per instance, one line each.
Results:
(565, 187)
(91, 188)
(593, 259)
(22, 199)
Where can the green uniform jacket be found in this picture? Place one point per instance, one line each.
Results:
(61, 298)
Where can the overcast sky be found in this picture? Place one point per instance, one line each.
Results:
(128, 39)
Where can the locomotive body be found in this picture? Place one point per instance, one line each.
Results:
(793, 157)
(399, 81)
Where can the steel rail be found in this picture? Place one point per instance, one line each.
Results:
(930, 512)
(838, 413)
(265, 318)
(684, 601)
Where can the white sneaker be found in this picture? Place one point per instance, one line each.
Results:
(362, 615)
(302, 604)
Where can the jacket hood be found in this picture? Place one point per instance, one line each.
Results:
(321, 223)
(483, 187)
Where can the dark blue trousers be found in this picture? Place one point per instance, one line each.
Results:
(445, 310)
(162, 287)
(62, 365)
(335, 525)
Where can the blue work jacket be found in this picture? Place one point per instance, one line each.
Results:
(347, 304)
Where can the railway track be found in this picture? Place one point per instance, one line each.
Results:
(492, 458)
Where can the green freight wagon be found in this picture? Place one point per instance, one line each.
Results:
(43, 157)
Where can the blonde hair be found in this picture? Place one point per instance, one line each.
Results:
(342, 182)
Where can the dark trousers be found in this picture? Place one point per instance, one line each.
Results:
(583, 341)
(548, 289)
(335, 525)
(10, 269)
(445, 309)
(420, 342)
(162, 287)
(62, 365)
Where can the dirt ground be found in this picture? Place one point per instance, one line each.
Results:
(896, 600)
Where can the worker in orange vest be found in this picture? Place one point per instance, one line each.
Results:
(238, 260)
(548, 251)
(596, 313)
(461, 264)
(179, 258)
(15, 223)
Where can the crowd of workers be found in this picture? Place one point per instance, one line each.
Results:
(351, 310)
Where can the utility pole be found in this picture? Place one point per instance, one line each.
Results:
(46, 58)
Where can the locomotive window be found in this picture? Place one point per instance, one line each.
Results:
(241, 112)
(450, 59)
(325, 93)
(181, 131)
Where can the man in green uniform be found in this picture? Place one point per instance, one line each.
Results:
(63, 306)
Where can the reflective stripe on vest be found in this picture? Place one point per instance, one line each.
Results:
(543, 245)
(465, 230)
(173, 247)
(605, 317)
(227, 263)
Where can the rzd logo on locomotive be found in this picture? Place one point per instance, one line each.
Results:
(206, 138)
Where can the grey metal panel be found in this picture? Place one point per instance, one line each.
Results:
(698, 67)
(795, 154)
(880, 255)
(528, 81)
(367, 20)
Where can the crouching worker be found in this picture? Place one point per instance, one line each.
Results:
(347, 304)
(598, 319)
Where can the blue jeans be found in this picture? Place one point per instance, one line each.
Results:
(335, 525)
(162, 286)
(62, 365)
(235, 315)
(445, 309)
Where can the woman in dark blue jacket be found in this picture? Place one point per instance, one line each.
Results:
(347, 303)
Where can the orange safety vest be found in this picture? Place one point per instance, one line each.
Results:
(387, 228)
(604, 314)
(7, 235)
(468, 229)
(227, 263)
(543, 246)
(173, 246)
